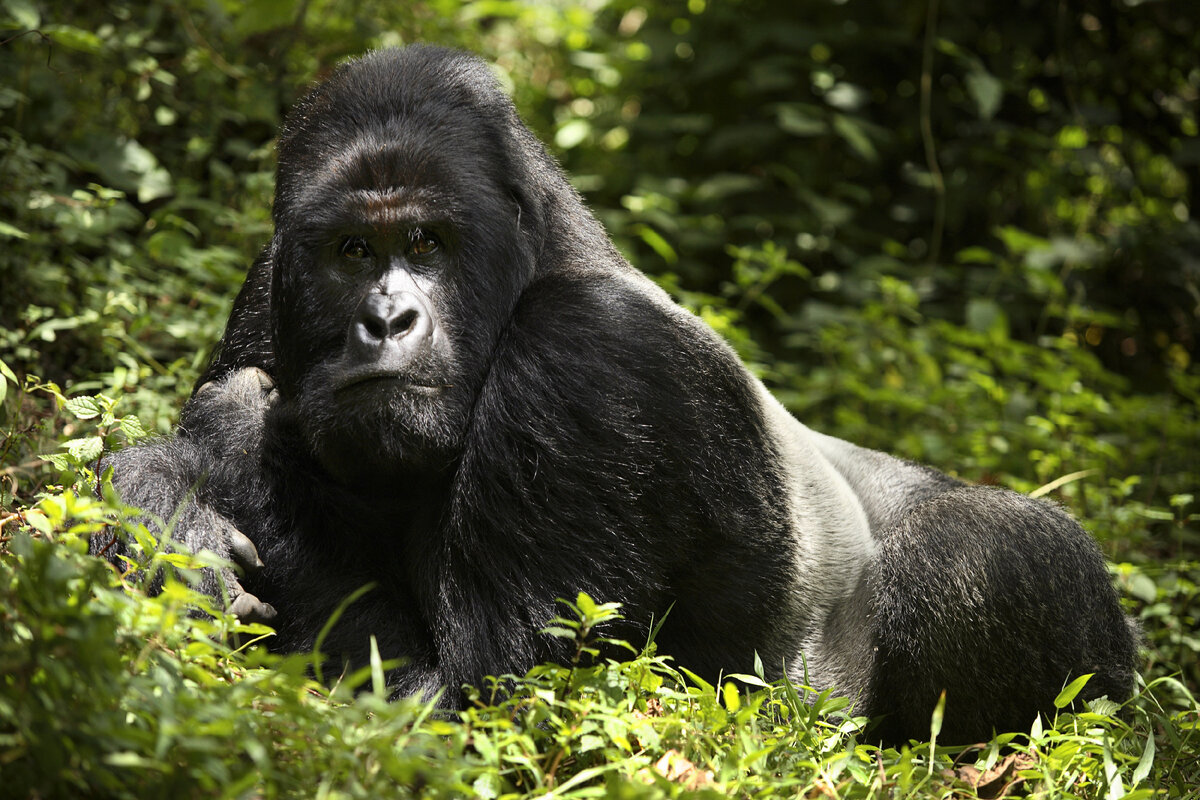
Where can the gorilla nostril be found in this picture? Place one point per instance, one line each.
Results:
(376, 328)
(404, 321)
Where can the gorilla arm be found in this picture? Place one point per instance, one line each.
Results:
(181, 484)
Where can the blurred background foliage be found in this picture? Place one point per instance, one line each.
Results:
(961, 232)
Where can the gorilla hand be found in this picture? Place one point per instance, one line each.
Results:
(242, 553)
(227, 416)
(185, 482)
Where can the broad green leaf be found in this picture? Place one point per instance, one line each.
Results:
(1067, 695)
(74, 38)
(487, 786)
(38, 521)
(83, 407)
(24, 13)
(132, 427)
(87, 449)
(1142, 587)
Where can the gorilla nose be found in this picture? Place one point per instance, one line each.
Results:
(384, 321)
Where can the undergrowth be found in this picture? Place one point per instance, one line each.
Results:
(106, 691)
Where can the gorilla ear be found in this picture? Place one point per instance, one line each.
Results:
(531, 216)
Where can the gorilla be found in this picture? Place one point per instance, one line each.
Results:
(440, 379)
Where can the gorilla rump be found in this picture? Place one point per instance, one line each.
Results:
(442, 379)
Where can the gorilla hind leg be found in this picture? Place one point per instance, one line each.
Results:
(999, 601)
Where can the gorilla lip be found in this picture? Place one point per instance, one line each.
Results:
(402, 381)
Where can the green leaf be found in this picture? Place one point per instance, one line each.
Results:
(562, 633)
(1142, 770)
(132, 427)
(131, 759)
(800, 120)
(74, 38)
(731, 696)
(986, 90)
(487, 786)
(153, 181)
(58, 460)
(333, 620)
(37, 520)
(1072, 137)
(24, 13)
(572, 133)
(587, 606)
(938, 717)
(6, 376)
(85, 450)
(83, 407)
(378, 686)
(986, 316)
(656, 242)
(1067, 695)
(975, 255)
(855, 136)
(1142, 587)
(750, 680)
(11, 232)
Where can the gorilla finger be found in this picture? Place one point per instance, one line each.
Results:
(265, 381)
(249, 608)
(243, 551)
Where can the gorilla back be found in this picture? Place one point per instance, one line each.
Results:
(478, 405)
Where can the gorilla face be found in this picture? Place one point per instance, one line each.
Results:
(399, 256)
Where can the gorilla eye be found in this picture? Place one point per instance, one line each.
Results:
(422, 244)
(355, 249)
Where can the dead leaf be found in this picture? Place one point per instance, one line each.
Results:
(998, 780)
(676, 768)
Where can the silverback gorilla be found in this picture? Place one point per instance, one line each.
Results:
(441, 378)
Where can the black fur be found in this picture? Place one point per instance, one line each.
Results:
(540, 419)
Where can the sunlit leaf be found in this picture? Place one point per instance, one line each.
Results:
(1071, 690)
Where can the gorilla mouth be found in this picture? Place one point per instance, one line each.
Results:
(395, 380)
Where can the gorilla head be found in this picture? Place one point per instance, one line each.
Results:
(399, 255)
